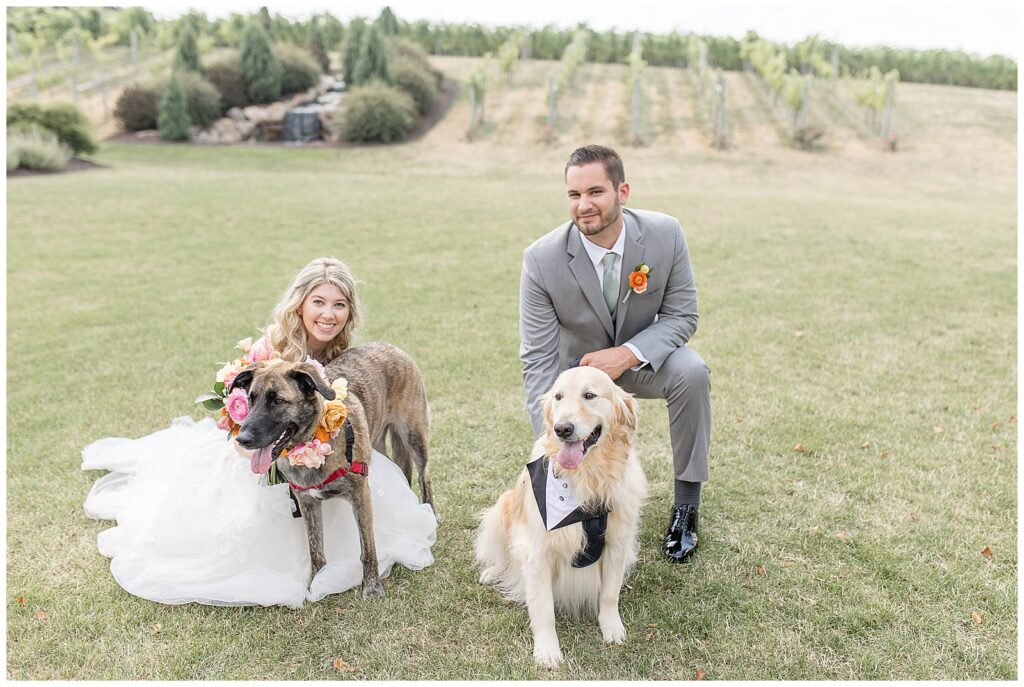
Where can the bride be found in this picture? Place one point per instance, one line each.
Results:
(195, 524)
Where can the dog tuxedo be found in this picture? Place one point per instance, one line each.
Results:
(559, 507)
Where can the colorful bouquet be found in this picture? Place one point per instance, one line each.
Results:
(234, 407)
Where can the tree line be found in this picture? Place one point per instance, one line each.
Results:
(47, 26)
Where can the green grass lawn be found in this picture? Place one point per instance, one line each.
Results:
(863, 310)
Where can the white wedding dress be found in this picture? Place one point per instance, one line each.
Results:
(194, 524)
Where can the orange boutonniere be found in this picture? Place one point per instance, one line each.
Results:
(638, 280)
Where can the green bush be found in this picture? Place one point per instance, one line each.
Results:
(417, 82)
(63, 119)
(172, 112)
(372, 64)
(34, 147)
(404, 50)
(202, 97)
(350, 51)
(227, 77)
(187, 56)
(299, 70)
(259, 65)
(136, 107)
(377, 112)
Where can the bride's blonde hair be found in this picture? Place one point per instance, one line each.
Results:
(287, 334)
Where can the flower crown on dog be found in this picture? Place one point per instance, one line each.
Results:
(234, 407)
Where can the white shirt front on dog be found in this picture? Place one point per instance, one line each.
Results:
(561, 500)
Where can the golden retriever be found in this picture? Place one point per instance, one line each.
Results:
(586, 453)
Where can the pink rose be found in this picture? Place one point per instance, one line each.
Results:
(224, 423)
(261, 350)
(311, 454)
(228, 373)
(238, 405)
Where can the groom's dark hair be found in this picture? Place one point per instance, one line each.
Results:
(606, 156)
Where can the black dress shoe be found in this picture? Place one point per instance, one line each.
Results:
(681, 537)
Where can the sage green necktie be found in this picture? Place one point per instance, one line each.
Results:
(610, 288)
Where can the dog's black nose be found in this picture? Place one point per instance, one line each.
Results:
(244, 439)
(565, 430)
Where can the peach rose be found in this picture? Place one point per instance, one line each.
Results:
(638, 282)
(334, 415)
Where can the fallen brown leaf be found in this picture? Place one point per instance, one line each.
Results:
(337, 609)
(995, 425)
(800, 448)
(157, 628)
(865, 444)
(785, 564)
(760, 570)
(21, 601)
(814, 529)
(976, 617)
(699, 674)
(986, 552)
(1013, 420)
(40, 615)
(798, 333)
(937, 429)
(883, 454)
(976, 409)
(913, 517)
(996, 447)
(650, 636)
(343, 667)
(841, 536)
(652, 624)
(739, 419)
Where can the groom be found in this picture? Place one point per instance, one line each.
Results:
(576, 304)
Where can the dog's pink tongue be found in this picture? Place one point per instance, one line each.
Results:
(261, 459)
(570, 455)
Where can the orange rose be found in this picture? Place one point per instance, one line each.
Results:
(638, 282)
(322, 435)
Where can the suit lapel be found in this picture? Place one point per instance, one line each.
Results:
(632, 255)
(583, 270)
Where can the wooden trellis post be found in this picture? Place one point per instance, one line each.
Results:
(721, 135)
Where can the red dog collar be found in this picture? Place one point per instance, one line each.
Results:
(356, 467)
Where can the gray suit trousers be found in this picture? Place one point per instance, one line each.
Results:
(684, 381)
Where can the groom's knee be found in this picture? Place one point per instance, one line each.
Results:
(686, 374)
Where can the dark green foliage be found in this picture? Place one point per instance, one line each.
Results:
(227, 77)
(172, 112)
(404, 49)
(372, 64)
(377, 112)
(139, 104)
(318, 46)
(259, 65)
(202, 98)
(136, 108)
(63, 119)
(417, 82)
(299, 70)
(187, 56)
(387, 23)
(263, 19)
(350, 51)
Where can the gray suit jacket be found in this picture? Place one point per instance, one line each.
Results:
(562, 313)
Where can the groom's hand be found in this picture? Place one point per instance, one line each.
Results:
(612, 361)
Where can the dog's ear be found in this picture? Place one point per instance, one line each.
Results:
(625, 409)
(310, 381)
(243, 380)
(545, 403)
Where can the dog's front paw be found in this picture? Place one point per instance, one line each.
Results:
(374, 590)
(548, 656)
(613, 631)
(489, 576)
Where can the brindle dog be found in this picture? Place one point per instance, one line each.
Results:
(385, 397)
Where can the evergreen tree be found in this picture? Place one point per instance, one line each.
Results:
(172, 112)
(350, 51)
(317, 47)
(259, 65)
(387, 22)
(187, 57)
(263, 17)
(373, 59)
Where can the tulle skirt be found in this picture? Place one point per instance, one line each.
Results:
(194, 524)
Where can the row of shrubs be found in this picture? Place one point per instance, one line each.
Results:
(386, 109)
(41, 137)
(222, 85)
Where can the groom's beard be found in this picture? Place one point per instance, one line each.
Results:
(606, 220)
